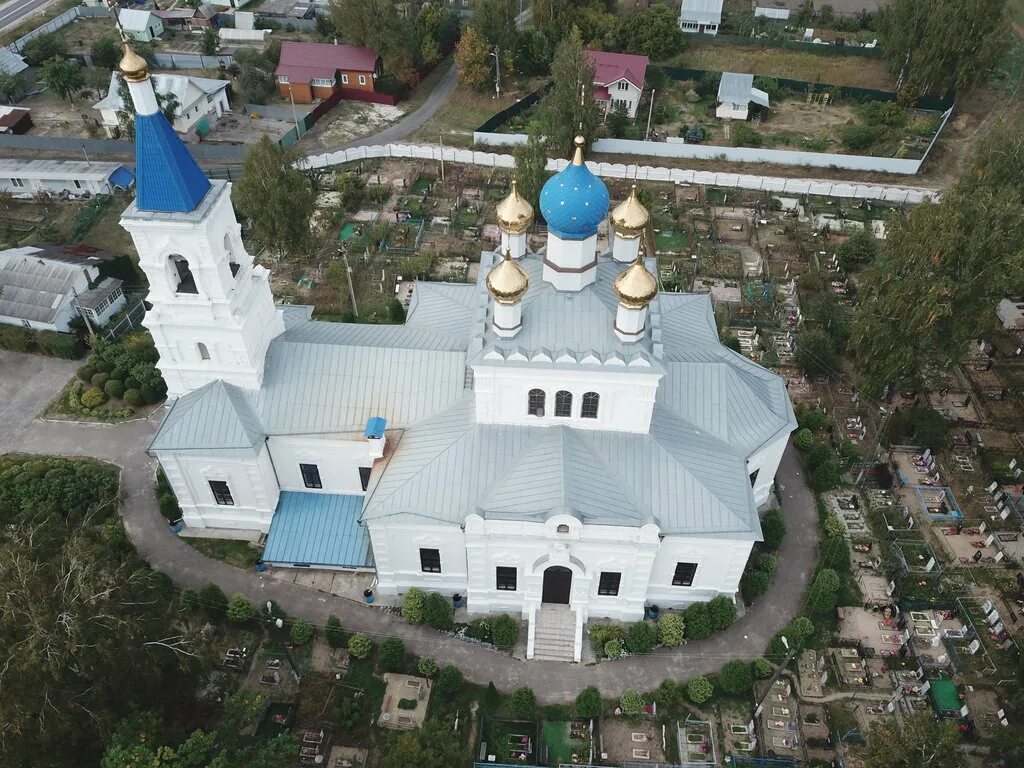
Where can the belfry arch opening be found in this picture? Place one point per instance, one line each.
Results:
(186, 282)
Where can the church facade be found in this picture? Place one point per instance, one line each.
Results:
(560, 435)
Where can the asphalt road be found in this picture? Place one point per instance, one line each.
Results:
(13, 12)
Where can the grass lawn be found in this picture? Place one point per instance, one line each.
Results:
(236, 553)
(672, 240)
(464, 111)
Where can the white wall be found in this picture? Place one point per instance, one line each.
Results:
(396, 552)
(338, 460)
(630, 94)
(720, 564)
(73, 187)
(766, 462)
(729, 111)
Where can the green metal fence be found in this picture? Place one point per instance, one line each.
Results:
(525, 103)
(795, 45)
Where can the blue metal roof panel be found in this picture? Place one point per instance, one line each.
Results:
(168, 178)
(317, 529)
(122, 178)
(375, 427)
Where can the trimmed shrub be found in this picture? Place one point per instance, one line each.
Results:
(95, 397)
(668, 695)
(131, 383)
(391, 654)
(213, 600)
(101, 365)
(449, 681)
(641, 637)
(334, 633)
(773, 527)
(601, 634)
(407, 703)
(762, 668)
(671, 629)
(302, 632)
(736, 677)
(132, 397)
(632, 703)
(114, 389)
(523, 703)
(589, 703)
(189, 600)
(437, 611)
(240, 609)
(803, 439)
(699, 690)
(613, 649)
(360, 646)
(753, 584)
(99, 379)
(504, 631)
(722, 612)
(412, 605)
(833, 526)
(767, 562)
(85, 373)
(118, 373)
(698, 622)
(150, 395)
(14, 338)
(427, 667)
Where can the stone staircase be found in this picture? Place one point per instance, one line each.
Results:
(554, 633)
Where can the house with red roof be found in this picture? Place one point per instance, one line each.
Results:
(618, 79)
(312, 71)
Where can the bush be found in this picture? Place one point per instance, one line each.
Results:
(114, 389)
(803, 439)
(523, 703)
(824, 591)
(699, 690)
(360, 646)
(240, 609)
(589, 703)
(773, 527)
(812, 420)
(752, 585)
(694, 134)
(825, 476)
(668, 696)
(427, 667)
(504, 631)
(101, 365)
(334, 633)
(407, 703)
(767, 562)
(412, 605)
(480, 629)
(131, 383)
(632, 703)
(396, 312)
(85, 373)
(613, 649)
(132, 397)
(860, 137)
(302, 632)
(671, 629)
(698, 622)
(189, 600)
(118, 373)
(833, 527)
(213, 600)
(641, 637)
(449, 681)
(391, 654)
(736, 677)
(15, 338)
(762, 668)
(99, 379)
(745, 136)
(437, 611)
(722, 612)
(95, 397)
(150, 394)
(600, 634)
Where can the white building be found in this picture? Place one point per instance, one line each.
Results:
(72, 178)
(618, 80)
(701, 16)
(735, 93)
(143, 26)
(45, 287)
(1011, 314)
(558, 434)
(200, 102)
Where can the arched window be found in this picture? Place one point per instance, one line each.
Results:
(230, 252)
(535, 402)
(590, 403)
(563, 528)
(204, 353)
(186, 282)
(563, 404)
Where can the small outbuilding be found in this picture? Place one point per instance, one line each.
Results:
(15, 120)
(702, 17)
(142, 26)
(735, 94)
(67, 178)
(1011, 314)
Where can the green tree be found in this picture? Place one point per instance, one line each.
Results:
(276, 198)
(449, 681)
(427, 667)
(106, 52)
(434, 745)
(821, 597)
(918, 741)
(722, 612)
(753, 584)
(351, 190)
(44, 47)
(938, 46)
(213, 600)
(334, 633)
(671, 629)
(437, 612)
(531, 166)
(589, 703)
(240, 609)
(699, 690)
(641, 637)
(209, 42)
(412, 605)
(473, 61)
(773, 528)
(931, 430)
(653, 32)
(12, 87)
(504, 631)
(668, 696)
(523, 703)
(833, 527)
(736, 677)
(391, 654)
(569, 108)
(396, 311)
(803, 439)
(618, 121)
(698, 622)
(816, 353)
(64, 77)
(762, 668)
(379, 24)
(857, 250)
(534, 52)
(632, 703)
(496, 21)
(302, 632)
(360, 646)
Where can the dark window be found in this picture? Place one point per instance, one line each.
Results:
(563, 404)
(430, 561)
(590, 402)
(535, 403)
(505, 577)
(609, 583)
(221, 493)
(234, 268)
(310, 475)
(186, 282)
(684, 574)
(204, 352)
(562, 529)
(364, 477)
(753, 477)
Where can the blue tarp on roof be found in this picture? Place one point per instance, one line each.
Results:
(317, 529)
(375, 427)
(168, 178)
(122, 178)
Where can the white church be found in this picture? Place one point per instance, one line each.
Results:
(560, 441)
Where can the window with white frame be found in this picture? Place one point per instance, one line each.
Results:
(344, 79)
(322, 82)
(563, 404)
(282, 79)
(18, 182)
(623, 85)
(362, 79)
(591, 401)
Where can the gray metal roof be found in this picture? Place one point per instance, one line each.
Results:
(95, 296)
(11, 63)
(735, 88)
(34, 288)
(56, 170)
(217, 416)
(702, 11)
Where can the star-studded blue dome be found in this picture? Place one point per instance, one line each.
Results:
(574, 201)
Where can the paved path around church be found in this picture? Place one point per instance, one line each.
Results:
(553, 682)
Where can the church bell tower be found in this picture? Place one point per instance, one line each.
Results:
(213, 313)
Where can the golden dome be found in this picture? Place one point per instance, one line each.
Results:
(630, 218)
(577, 157)
(507, 281)
(515, 215)
(133, 67)
(635, 286)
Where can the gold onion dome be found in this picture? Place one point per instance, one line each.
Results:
(507, 281)
(635, 286)
(515, 215)
(133, 67)
(630, 218)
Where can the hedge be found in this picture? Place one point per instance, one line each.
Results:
(67, 346)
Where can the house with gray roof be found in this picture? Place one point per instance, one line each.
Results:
(702, 17)
(736, 92)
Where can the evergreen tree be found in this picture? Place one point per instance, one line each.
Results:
(569, 109)
(531, 166)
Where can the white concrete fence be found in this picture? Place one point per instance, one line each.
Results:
(775, 184)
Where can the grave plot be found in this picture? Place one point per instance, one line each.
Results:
(624, 741)
(696, 739)
(567, 742)
(405, 702)
(508, 742)
(719, 261)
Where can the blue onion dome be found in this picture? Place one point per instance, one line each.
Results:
(574, 201)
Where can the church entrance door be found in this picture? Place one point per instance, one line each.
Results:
(557, 585)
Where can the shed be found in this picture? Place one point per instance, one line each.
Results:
(735, 93)
(11, 63)
(701, 16)
(72, 178)
(144, 26)
(16, 120)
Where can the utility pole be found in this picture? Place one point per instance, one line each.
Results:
(86, 155)
(295, 115)
(348, 276)
(440, 137)
(650, 113)
(497, 71)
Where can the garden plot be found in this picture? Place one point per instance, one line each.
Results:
(720, 262)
